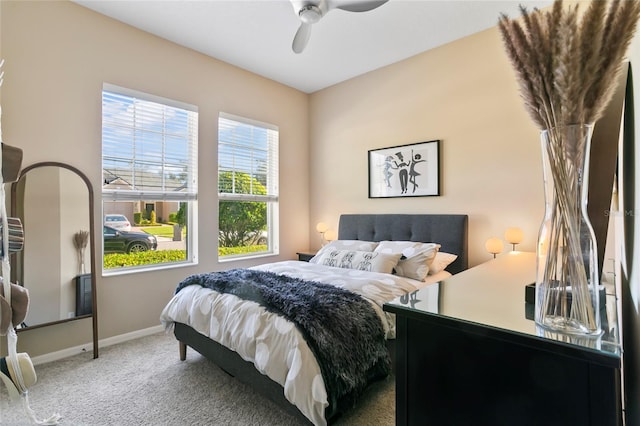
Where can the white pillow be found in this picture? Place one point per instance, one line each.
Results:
(441, 261)
(408, 248)
(345, 245)
(416, 257)
(360, 260)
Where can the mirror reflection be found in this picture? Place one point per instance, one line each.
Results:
(53, 204)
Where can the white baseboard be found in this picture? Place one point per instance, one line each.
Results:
(102, 343)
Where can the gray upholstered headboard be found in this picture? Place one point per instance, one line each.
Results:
(448, 230)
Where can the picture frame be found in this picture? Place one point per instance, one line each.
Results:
(411, 170)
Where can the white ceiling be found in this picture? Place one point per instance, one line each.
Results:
(256, 35)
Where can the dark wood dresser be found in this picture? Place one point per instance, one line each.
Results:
(469, 353)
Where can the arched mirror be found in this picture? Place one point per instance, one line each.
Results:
(57, 264)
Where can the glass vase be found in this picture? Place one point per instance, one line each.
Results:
(567, 268)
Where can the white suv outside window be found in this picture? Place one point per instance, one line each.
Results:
(117, 221)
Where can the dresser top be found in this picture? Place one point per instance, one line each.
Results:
(492, 295)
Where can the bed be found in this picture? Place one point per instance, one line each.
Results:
(201, 317)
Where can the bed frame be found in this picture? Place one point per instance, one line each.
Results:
(450, 231)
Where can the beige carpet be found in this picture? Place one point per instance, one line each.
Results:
(143, 382)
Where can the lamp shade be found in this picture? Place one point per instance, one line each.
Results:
(330, 235)
(513, 235)
(494, 245)
(322, 227)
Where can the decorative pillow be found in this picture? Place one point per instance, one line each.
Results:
(441, 261)
(416, 257)
(345, 245)
(360, 260)
(401, 246)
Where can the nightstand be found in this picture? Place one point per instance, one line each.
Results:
(305, 256)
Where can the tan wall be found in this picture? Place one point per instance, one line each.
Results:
(58, 55)
(464, 94)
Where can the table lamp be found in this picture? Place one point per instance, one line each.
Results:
(513, 236)
(322, 228)
(494, 246)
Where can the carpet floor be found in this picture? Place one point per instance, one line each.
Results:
(143, 382)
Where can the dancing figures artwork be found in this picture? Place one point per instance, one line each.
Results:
(405, 171)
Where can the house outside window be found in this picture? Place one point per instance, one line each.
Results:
(247, 187)
(149, 167)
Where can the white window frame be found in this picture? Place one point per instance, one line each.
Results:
(188, 194)
(225, 121)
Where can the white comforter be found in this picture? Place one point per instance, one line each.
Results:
(272, 343)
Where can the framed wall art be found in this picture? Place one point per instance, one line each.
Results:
(405, 170)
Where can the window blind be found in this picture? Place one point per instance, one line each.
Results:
(247, 159)
(149, 147)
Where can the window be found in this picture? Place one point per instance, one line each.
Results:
(149, 168)
(247, 187)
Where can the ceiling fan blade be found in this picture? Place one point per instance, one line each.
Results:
(361, 6)
(301, 38)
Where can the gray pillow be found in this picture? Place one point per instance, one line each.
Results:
(416, 257)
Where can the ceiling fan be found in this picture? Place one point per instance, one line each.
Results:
(310, 12)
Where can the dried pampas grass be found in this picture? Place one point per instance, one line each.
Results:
(567, 65)
(80, 239)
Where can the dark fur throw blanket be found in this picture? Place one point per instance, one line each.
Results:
(341, 328)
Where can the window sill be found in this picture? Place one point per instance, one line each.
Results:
(147, 268)
(234, 258)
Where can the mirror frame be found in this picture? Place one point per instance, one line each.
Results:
(92, 251)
